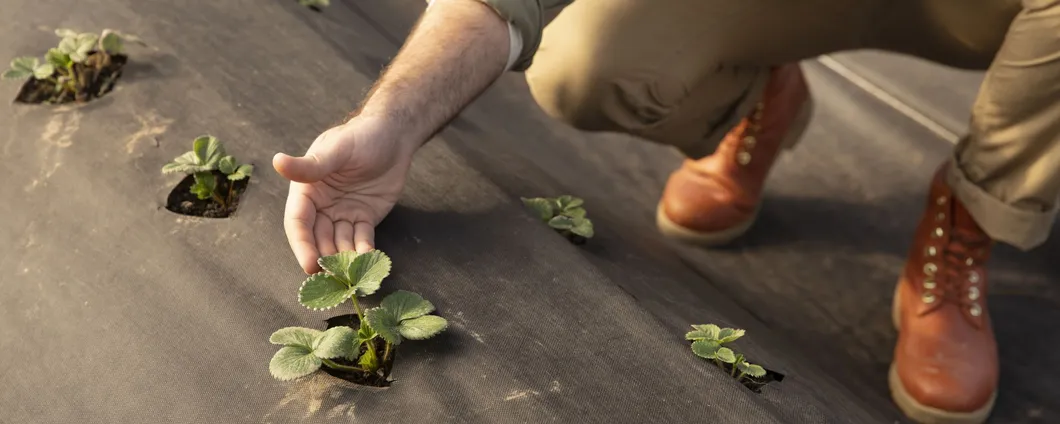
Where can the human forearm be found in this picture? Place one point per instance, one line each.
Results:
(454, 53)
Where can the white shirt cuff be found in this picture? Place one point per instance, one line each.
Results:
(515, 42)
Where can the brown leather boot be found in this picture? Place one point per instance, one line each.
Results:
(713, 200)
(945, 367)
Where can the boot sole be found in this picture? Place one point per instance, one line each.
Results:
(921, 413)
(678, 232)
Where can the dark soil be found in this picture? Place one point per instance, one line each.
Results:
(574, 238)
(379, 379)
(755, 384)
(94, 79)
(182, 201)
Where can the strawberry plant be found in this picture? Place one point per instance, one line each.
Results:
(82, 67)
(710, 342)
(207, 164)
(564, 214)
(363, 352)
(316, 5)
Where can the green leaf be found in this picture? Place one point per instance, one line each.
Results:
(22, 67)
(334, 342)
(338, 265)
(699, 335)
(209, 150)
(752, 369)
(242, 172)
(173, 167)
(583, 227)
(66, 33)
(292, 362)
(295, 336)
(364, 334)
(568, 202)
(384, 323)
(705, 349)
(78, 46)
(728, 335)
(57, 58)
(406, 305)
(187, 163)
(227, 164)
(205, 183)
(423, 327)
(111, 42)
(369, 360)
(368, 270)
(321, 291)
(575, 213)
(541, 207)
(709, 331)
(561, 222)
(726, 355)
(43, 71)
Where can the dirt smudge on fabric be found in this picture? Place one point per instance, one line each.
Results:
(57, 136)
(151, 126)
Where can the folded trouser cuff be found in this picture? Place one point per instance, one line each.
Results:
(1021, 228)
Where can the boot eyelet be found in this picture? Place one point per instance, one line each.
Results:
(969, 262)
(928, 298)
(928, 284)
(941, 200)
(940, 217)
(973, 293)
(930, 268)
(975, 310)
(743, 158)
(973, 277)
(749, 142)
(931, 251)
(939, 232)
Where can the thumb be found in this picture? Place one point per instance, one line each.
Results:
(306, 169)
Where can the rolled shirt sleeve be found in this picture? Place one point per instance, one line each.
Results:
(525, 24)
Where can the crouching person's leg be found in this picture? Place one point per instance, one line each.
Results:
(653, 76)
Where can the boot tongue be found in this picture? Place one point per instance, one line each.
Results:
(968, 237)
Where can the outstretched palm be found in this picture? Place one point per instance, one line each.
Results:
(348, 181)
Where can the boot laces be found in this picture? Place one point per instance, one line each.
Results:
(961, 256)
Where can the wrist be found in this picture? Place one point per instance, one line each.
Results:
(393, 129)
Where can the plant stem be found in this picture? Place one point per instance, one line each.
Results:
(218, 199)
(386, 352)
(334, 365)
(357, 307)
(740, 377)
(231, 184)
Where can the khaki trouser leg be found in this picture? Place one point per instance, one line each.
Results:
(1007, 170)
(676, 72)
(683, 72)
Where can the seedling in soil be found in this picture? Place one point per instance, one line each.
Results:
(316, 5)
(709, 342)
(564, 214)
(365, 355)
(207, 164)
(83, 66)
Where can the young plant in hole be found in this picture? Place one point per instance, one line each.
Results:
(316, 5)
(564, 214)
(206, 158)
(83, 66)
(709, 342)
(364, 354)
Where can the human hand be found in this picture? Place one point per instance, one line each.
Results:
(347, 182)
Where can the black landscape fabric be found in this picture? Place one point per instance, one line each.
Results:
(114, 309)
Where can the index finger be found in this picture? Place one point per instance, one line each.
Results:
(299, 216)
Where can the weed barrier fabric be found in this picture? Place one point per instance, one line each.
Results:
(116, 310)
